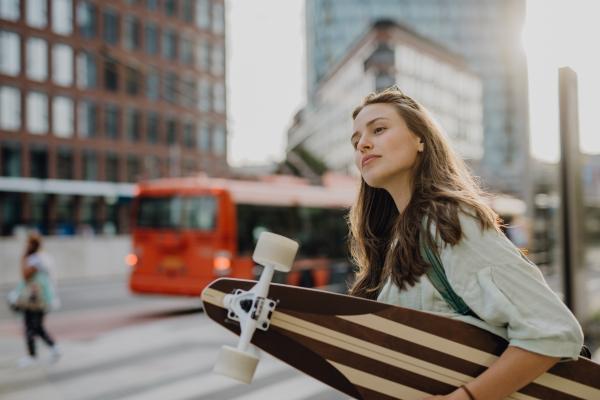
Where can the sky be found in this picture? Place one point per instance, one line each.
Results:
(266, 73)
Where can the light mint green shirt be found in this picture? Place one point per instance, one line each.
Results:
(505, 291)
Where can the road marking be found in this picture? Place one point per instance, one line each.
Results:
(294, 389)
(201, 385)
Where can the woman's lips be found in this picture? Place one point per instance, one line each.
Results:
(369, 159)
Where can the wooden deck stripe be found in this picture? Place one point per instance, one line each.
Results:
(376, 352)
(423, 338)
(567, 386)
(377, 384)
(368, 349)
(551, 381)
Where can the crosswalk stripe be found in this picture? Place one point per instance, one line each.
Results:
(201, 385)
(295, 389)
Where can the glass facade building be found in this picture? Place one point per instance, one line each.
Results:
(487, 33)
(390, 54)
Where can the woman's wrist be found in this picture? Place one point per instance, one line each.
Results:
(459, 394)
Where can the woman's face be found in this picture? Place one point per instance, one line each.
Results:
(385, 150)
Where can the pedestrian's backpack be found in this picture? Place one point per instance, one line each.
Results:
(437, 276)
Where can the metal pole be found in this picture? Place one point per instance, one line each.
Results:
(571, 195)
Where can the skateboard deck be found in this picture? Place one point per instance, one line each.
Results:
(372, 350)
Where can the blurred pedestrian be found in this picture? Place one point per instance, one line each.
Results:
(36, 296)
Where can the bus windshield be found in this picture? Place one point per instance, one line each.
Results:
(177, 212)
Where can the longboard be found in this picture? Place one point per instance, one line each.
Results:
(371, 350)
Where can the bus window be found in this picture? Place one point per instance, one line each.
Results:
(177, 212)
(159, 212)
(200, 213)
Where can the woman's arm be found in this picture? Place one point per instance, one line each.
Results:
(514, 369)
(25, 269)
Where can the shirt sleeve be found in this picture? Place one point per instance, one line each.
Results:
(504, 290)
(36, 262)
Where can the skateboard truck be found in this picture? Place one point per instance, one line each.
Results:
(252, 308)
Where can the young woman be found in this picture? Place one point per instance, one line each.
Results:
(410, 172)
(36, 275)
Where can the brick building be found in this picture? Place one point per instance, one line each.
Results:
(98, 94)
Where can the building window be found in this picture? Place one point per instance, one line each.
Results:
(203, 55)
(171, 87)
(204, 96)
(37, 13)
(110, 75)
(203, 139)
(219, 141)
(217, 65)
(169, 44)
(10, 53)
(171, 131)
(132, 82)
(86, 119)
(11, 159)
(10, 108)
(64, 163)
(152, 5)
(152, 127)
(111, 121)
(37, 113)
(112, 167)
(151, 39)
(203, 14)
(62, 17)
(188, 135)
(37, 59)
(152, 167)
(133, 125)
(86, 70)
(90, 166)
(219, 98)
(218, 19)
(187, 97)
(111, 26)
(188, 167)
(64, 214)
(86, 19)
(132, 38)
(38, 161)
(10, 10)
(62, 65)
(187, 10)
(133, 168)
(152, 84)
(62, 117)
(186, 50)
(170, 7)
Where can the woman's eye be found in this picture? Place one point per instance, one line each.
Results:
(378, 130)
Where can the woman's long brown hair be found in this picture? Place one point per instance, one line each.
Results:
(384, 243)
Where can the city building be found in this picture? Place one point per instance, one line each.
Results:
(487, 33)
(98, 94)
(390, 54)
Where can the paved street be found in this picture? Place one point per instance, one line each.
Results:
(131, 348)
(119, 346)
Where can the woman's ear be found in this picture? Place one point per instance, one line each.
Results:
(421, 145)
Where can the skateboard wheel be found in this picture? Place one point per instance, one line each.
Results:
(275, 250)
(236, 364)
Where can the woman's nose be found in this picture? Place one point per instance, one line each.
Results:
(364, 144)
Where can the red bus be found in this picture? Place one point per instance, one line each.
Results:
(189, 231)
